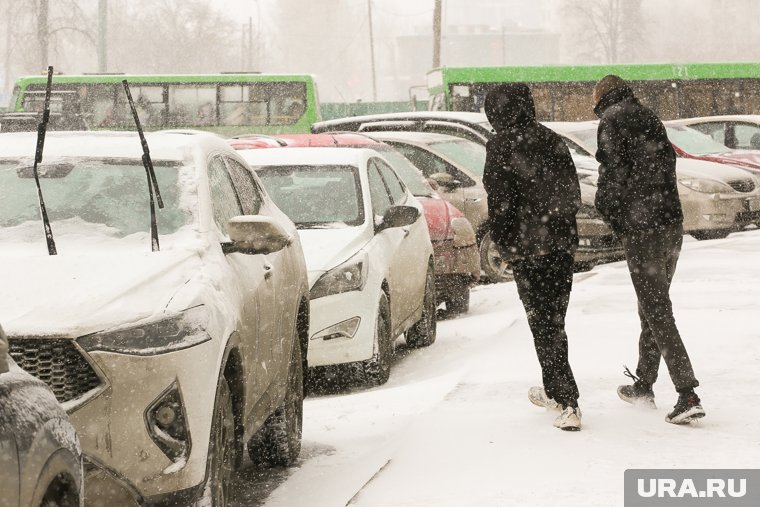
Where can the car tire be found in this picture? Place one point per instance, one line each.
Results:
(376, 370)
(61, 493)
(278, 441)
(491, 263)
(458, 297)
(222, 451)
(423, 332)
(715, 234)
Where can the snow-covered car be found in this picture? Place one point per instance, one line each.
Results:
(457, 261)
(717, 199)
(457, 164)
(169, 346)
(368, 252)
(40, 457)
(738, 131)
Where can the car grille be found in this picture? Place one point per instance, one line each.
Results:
(745, 185)
(58, 363)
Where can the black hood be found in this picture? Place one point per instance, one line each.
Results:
(611, 98)
(508, 105)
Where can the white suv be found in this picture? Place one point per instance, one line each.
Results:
(167, 361)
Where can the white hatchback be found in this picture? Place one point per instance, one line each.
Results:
(367, 250)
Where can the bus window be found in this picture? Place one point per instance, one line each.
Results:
(192, 105)
(98, 104)
(287, 101)
(149, 102)
(235, 107)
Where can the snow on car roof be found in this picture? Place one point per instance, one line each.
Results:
(432, 115)
(307, 156)
(571, 126)
(420, 137)
(163, 145)
(754, 118)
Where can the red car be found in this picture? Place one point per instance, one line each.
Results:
(457, 261)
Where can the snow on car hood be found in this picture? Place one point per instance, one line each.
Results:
(693, 168)
(326, 248)
(73, 294)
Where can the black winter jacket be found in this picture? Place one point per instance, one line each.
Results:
(637, 187)
(530, 178)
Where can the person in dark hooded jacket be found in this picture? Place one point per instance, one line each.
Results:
(638, 196)
(533, 196)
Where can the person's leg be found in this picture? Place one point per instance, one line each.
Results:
(652, 256)
(544, 285)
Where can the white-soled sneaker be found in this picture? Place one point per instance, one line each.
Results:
(569, 419)
(537, 396)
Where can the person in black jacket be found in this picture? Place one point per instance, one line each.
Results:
(533, 196)
(637, 196)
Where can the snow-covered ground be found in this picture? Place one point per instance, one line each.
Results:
(454, 427)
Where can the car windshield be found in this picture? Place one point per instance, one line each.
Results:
(412, 176)
(316, 196)
(90, 199)
(466, 153)
(694, 142)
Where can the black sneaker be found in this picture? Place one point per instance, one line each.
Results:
(687, 409)
(639, 393)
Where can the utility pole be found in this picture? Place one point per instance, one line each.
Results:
(372, 52)
(102, 35)
(42, 33)
(437, 12)
(250, 43)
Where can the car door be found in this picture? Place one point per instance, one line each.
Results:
(386, 244)
(412, 254)
(279, 269)
(252, 291)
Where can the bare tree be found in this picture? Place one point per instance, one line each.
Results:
(607, 30)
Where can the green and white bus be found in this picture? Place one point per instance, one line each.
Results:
(563, 93)
(224, 103)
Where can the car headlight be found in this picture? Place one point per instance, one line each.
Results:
(183, 330)
(464, 234)
(705, 186)
(351, 275)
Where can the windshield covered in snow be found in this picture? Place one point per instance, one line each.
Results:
(89, 197)
(470, 155)
(315, 196)
(694, 142)
(587, 138)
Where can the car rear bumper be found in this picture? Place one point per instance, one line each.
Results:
(597, 244)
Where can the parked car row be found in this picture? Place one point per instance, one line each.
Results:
(177, 338)
(719, 185)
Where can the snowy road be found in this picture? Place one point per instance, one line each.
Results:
(454, 427)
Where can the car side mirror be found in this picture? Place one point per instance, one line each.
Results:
(446, 181)
(255, 234)
(399, 216)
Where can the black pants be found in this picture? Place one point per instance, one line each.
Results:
(544, 284)
(652, 257)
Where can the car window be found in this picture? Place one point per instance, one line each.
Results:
(747, 136)
(715, 130)
(395, 187)
(316, 196)
(412, 177)
(224, 199)
(247, 189)
(381, 201)
(465, 153)
(428, 163)
(575, 148)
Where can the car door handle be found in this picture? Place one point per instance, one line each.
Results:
(267, 271)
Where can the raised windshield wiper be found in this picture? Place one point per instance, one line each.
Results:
(41, 130)
(149, 172)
